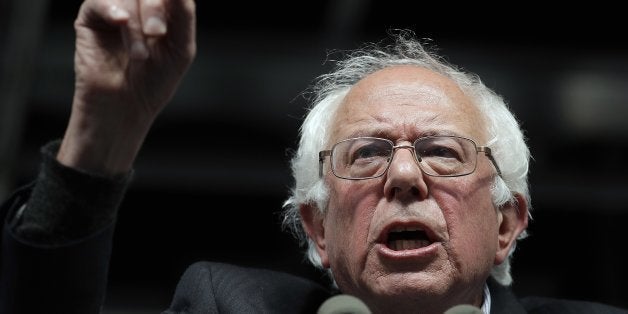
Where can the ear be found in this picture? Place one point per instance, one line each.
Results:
(313, 222)
(513, 220)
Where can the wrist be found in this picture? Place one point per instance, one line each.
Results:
(105, 144)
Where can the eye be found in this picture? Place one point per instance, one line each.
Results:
(368, 151)
(439, 151)
(364, 151)
(441, 148)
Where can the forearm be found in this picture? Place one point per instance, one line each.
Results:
(67, 204)
(56, 243)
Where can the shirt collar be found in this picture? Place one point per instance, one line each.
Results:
(486, 303)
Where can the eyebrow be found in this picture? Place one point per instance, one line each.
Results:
(383, 133)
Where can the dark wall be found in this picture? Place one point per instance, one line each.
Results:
(214, 170)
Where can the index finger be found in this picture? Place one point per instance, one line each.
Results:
(153, 16)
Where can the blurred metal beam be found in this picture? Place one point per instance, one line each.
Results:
(26, 20)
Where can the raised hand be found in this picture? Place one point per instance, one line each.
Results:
(130, 57)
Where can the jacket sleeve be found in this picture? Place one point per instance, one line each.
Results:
(56, 240)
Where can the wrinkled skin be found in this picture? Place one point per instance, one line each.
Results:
(468, 233)
(129, 60)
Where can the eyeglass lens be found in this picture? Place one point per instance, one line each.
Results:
(437, 156)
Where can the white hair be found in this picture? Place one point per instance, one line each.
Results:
(506, 138)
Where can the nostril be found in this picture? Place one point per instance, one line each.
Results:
(411, 190)
(416, 191)
(408, 193)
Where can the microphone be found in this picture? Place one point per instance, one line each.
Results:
(347, 304)
(464, 309)
(343, 304)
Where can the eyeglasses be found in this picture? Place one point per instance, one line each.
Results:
(438, 156)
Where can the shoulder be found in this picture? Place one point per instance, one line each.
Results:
(535, 304)
(235, 277)
(503, 300)
(220, 287)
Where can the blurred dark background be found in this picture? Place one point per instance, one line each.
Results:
(213, 173)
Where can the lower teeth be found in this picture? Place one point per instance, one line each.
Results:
(399, 245)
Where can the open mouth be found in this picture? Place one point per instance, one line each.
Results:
(407, 238)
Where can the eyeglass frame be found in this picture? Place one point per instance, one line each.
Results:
(478, 149)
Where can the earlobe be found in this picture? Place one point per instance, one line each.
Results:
(513, 221)
(313, 223)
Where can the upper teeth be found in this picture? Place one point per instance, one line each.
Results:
(400, 229)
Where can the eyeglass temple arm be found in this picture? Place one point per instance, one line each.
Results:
(321, 159)
(487, 152)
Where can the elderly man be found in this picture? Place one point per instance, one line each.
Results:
(410, 182)
(414, 209)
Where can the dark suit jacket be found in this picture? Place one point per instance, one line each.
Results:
(209, 287)
(72, 279)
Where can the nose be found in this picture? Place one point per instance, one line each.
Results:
(404, 179)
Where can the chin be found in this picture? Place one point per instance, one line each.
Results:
(410, 293)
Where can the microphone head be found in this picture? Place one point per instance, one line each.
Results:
(464, 309)
(343, 304)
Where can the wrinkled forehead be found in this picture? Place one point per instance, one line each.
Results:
(406, 102)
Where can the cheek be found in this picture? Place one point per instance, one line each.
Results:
(348, 220)
(471, 221)
(351, 204)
